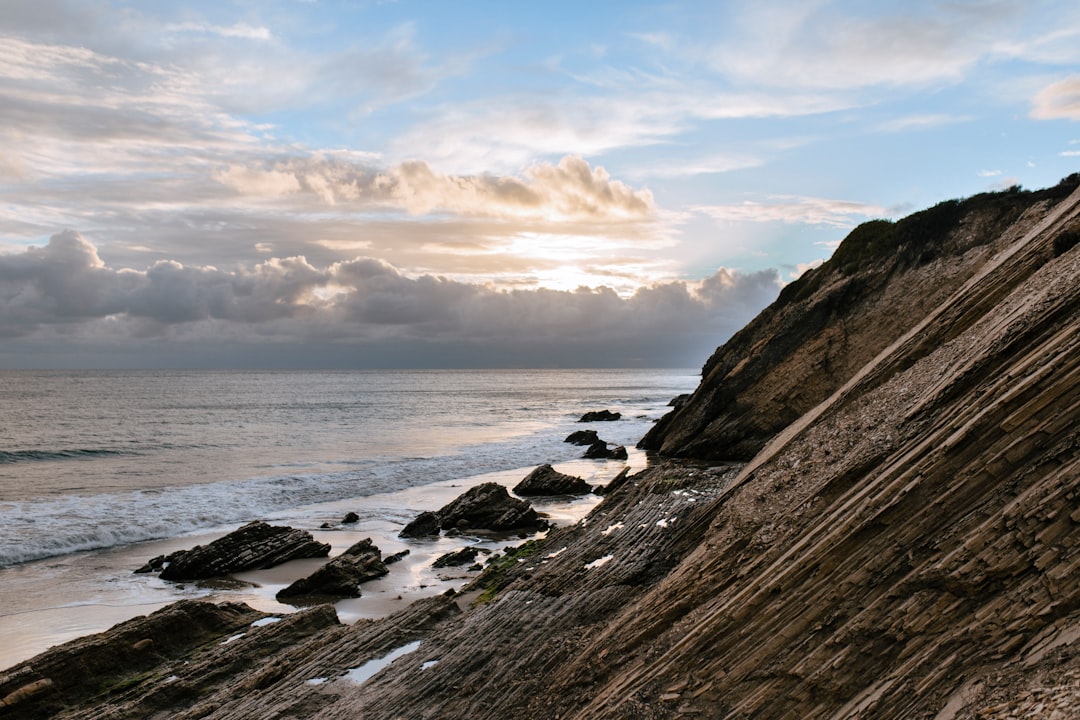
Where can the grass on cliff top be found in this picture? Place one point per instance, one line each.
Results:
(922, 236)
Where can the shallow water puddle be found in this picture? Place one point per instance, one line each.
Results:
(599, 562)
(367, 670)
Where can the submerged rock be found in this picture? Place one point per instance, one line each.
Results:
(600, 451)
(600, 416)
(582, 437)
(488, 507)
(350, 518)
(253, 546)
(342, 575)
(546, 480)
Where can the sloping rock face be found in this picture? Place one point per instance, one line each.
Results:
(882, 281)
(905, 547)
(255, 545)
(72, 673)
(426, 524)
(488, 506)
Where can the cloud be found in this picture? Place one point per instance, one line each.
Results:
(84, 111)
(569, 190)
(1058, 101)
(793, 209)
(67, 282)
(65, 290)
(661, 40)
(236, 30)
(811, 44)
(708, 165)
(513, 131)
(922, 122)
(132, 150)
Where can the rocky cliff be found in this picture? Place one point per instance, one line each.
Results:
(883, 280)
(901, 538)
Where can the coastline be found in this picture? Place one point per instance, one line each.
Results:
(88, 592)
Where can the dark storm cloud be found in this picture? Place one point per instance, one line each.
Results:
(64, 290)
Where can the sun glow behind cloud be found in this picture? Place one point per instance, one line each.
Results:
(428, 170)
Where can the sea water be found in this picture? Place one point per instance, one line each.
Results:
(100, 467)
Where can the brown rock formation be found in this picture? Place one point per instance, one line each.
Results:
(599, 450)
(341, 576)
(882, 281)
(69, 675)
(546, 480)
(488, 506)
(255, 545)
(426, 524)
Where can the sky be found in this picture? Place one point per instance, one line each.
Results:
(369, 184)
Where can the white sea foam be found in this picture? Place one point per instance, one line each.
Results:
(260, 434)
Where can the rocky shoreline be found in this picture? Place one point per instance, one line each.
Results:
(209, 652)
(874, 512)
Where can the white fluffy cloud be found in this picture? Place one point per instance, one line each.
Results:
(791, 209)
(569, 190)
(836, 45)
(1060, 100)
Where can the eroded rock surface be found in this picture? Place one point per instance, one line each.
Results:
(600, 450)
(341, 576)
(69, 675)
(426, 524)
(488, 506)
(254, 546)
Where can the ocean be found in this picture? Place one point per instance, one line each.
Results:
(101, 470)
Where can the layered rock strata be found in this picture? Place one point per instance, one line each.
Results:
(256, 545)
(487, 506)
